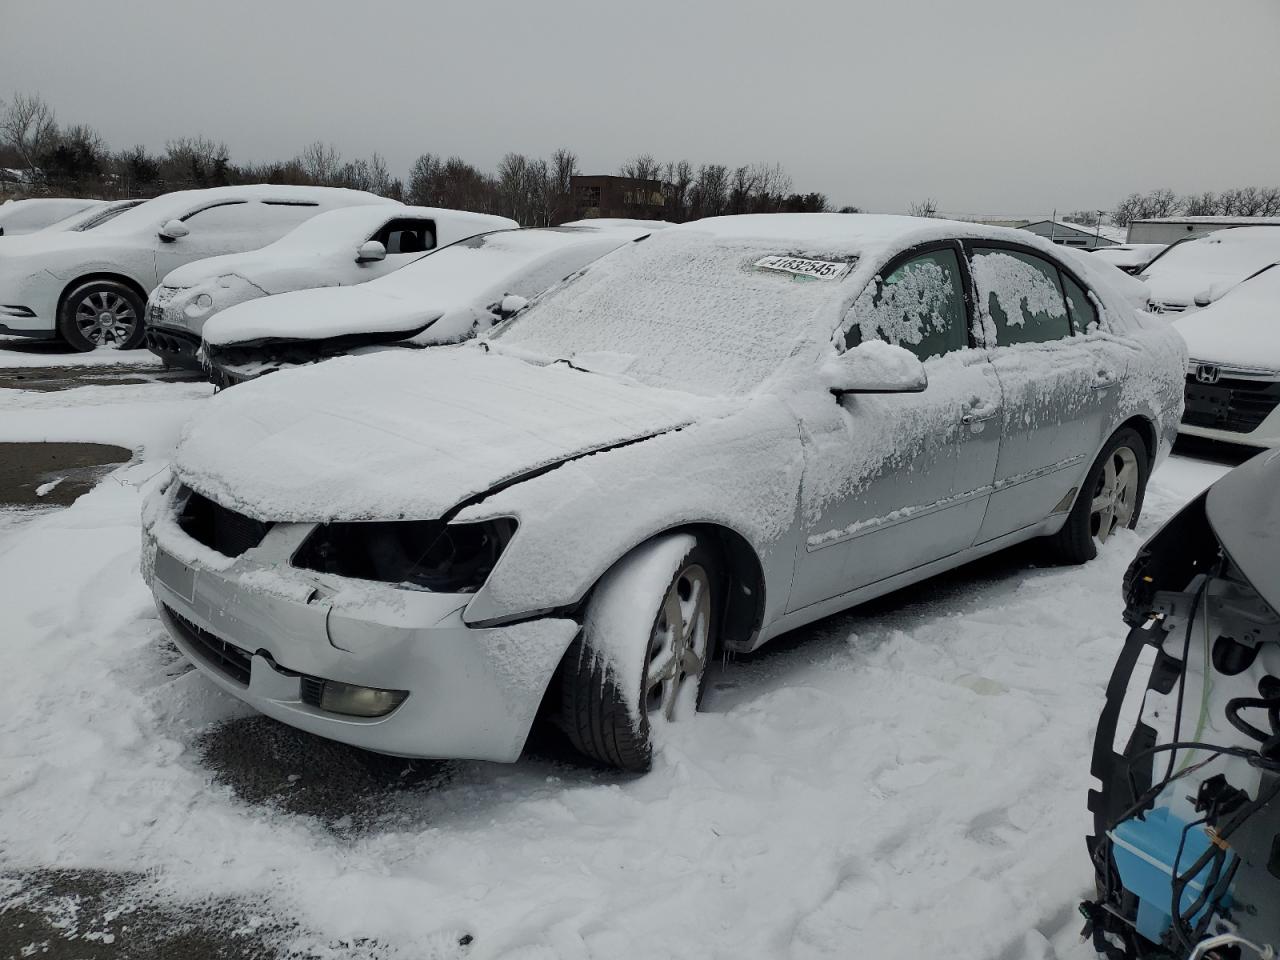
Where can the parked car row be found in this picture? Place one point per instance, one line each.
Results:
(707, 436)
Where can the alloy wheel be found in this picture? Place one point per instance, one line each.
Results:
(678, 643)
(106, 318)
(1116, 494)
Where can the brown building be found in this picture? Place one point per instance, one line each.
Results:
(616, 197)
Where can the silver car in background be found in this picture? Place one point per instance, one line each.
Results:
(710, 437)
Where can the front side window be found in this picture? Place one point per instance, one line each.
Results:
(1022, 294)
(918, 305)
(405, 235)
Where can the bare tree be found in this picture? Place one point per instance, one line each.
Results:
(196, 160)
(28, 126)
(923, 208)
(641, 167)
(677, 180)
(563, 168)
(321, 163)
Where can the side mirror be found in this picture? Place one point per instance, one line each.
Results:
(174, 230)
(1211, 293)
(371, 251)
(512, 303)
(874, 367)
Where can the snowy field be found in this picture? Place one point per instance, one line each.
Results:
(906, 780)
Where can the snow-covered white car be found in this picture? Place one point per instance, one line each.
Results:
(1130, 257)
(19, 217)
(89, 287)
(1233, 374)
(1186, 840)
(338, 248)
(701, 441)
(447, 296)
(1191, 274)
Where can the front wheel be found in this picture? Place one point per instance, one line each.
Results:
(102, 313)
(1109, 500)
(649, 631)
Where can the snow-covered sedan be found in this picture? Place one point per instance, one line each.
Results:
(707, 438)
(447, 296)
(20, 217)
(89, 287)
(338, 248)
(1130, 257)
(1192, 274)
(1233, 374)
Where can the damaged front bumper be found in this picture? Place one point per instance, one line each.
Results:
(275, 636)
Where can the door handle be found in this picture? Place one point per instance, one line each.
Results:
(1103, 379)
(979, 412)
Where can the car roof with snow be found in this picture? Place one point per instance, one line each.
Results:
(183, 203)
(1241, 330)
(607, 222)
(36, 213)
(1236, 252)
(339, 227)
(759, 294)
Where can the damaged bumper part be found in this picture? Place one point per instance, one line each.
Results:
(1186, 842)
(392, 668)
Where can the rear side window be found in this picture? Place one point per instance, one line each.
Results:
(1023, 295)
(405, 235)
(918, 305)
(1083, 315)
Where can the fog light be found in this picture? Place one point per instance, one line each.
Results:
(204, 301)
(355, 701)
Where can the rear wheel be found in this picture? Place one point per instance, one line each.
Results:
(101, 313)
(649, 632)
(1109, 500)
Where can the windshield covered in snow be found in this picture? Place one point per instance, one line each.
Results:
(680, 312)
(1229, 253)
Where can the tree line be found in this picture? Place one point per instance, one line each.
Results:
(76, 160)
(1236, 202)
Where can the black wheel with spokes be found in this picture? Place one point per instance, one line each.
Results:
(1110, 499)
(102, 313)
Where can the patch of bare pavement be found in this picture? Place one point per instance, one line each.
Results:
(47, 379)
(54, 474)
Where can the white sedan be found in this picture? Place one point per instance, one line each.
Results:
(1192, 274)
(444, 297)
(89, 288)
(19, 217)
(1233, 374)
(699, 442)
(338, 248)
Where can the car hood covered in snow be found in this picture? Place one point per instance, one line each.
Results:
(410, 434)
(1242, 330)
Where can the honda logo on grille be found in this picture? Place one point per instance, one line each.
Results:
(1208, 373)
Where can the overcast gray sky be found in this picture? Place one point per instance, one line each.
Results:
(986, 105)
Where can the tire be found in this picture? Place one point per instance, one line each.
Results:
(102, 313)
(625, 634)
(1120, 476)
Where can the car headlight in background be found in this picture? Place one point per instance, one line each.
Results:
(426, 555)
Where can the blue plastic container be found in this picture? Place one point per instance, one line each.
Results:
(1144, 851)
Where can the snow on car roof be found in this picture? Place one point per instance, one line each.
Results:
(715, 306)
(607, 222)
(340, 225)
(1233, 253)
(181, 202)
(39, 212)
(1242, 329)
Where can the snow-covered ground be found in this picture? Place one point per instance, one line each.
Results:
(905, 780)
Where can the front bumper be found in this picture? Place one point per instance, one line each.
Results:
(1241, 407)
(21, 321)
(262, 630)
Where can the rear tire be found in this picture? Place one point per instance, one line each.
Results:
(102, 313)
(1109, 499)
(632, 615)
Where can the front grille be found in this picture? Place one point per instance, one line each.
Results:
(220, 529)
(1172, 307)
(1236, 405)
(226, 658)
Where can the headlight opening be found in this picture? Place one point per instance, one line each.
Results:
(428, 555)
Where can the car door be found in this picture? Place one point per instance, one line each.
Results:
(1055, 383)
(895, 481)
(230, 226)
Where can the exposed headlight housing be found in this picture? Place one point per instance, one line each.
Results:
(426, 555)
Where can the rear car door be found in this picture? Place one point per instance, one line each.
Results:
(1059, 387)
(899, 480)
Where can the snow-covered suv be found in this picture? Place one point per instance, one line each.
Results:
(89, 287)
(337, 248)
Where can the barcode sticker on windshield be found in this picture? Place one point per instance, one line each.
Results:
(817, 269)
